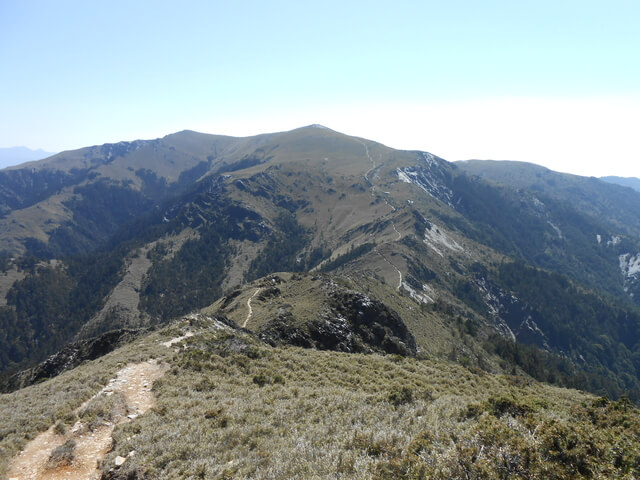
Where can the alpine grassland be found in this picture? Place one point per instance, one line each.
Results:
(231, 406)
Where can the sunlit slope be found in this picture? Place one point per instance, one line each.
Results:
(229, 405)
(170, 226)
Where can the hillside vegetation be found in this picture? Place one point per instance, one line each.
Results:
(355, 311)
(233, 407)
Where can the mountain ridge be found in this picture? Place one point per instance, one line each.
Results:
(631, 182)
(152, 230)
(10, 156)
(408, 317)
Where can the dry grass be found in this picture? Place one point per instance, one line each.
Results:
(27, 412)
(233, 408)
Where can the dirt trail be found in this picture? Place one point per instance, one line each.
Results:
(397, 232)
(134, 383)
(250, 313)
(173, 341)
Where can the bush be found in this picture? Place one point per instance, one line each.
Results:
(499, 406)
(400, 396)
(60, 428)
(62, 456)
(260, 379)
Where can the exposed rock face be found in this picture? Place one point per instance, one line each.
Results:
(355, 323)
(69, 357)
(374, 322)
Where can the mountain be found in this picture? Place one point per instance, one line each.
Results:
(589, 195)
(133, 234)
(631, 182)
(269, 283)
(16, 155)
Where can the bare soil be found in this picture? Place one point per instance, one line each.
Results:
(134, 383)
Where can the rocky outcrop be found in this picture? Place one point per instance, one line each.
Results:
(376, 324)
(354, 323)
(511, 317)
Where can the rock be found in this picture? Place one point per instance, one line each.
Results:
(120, 460)
(352, 323)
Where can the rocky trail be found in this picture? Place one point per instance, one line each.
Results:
(373, 167)
(76, 453)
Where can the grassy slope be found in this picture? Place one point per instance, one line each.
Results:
(305, 296)
(231, 407)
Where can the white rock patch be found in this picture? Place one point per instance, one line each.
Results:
(630, 265)
(557, 230)
(403, 176)
(419, 297)
(434, 237)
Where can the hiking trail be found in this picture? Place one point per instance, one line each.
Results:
(250, 313)
(92, 442)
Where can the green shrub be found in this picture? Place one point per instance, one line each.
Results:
(60, 428)
(260, 379)
(400, 396)
(507, 405)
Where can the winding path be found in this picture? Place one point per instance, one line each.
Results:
(134, 383)
(397, 232)
(393, 209)
(250, 313)
(373, 166)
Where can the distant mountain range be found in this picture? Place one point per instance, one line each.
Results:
(632, 182)
(16, 155)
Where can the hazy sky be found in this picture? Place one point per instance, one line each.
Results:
(552, 82)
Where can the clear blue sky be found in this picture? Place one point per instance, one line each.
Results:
(553, 82)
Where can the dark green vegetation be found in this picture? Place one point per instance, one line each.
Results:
(550, 234)
(604, 202)
(345, 258)
(50, 304)
(597, 333)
